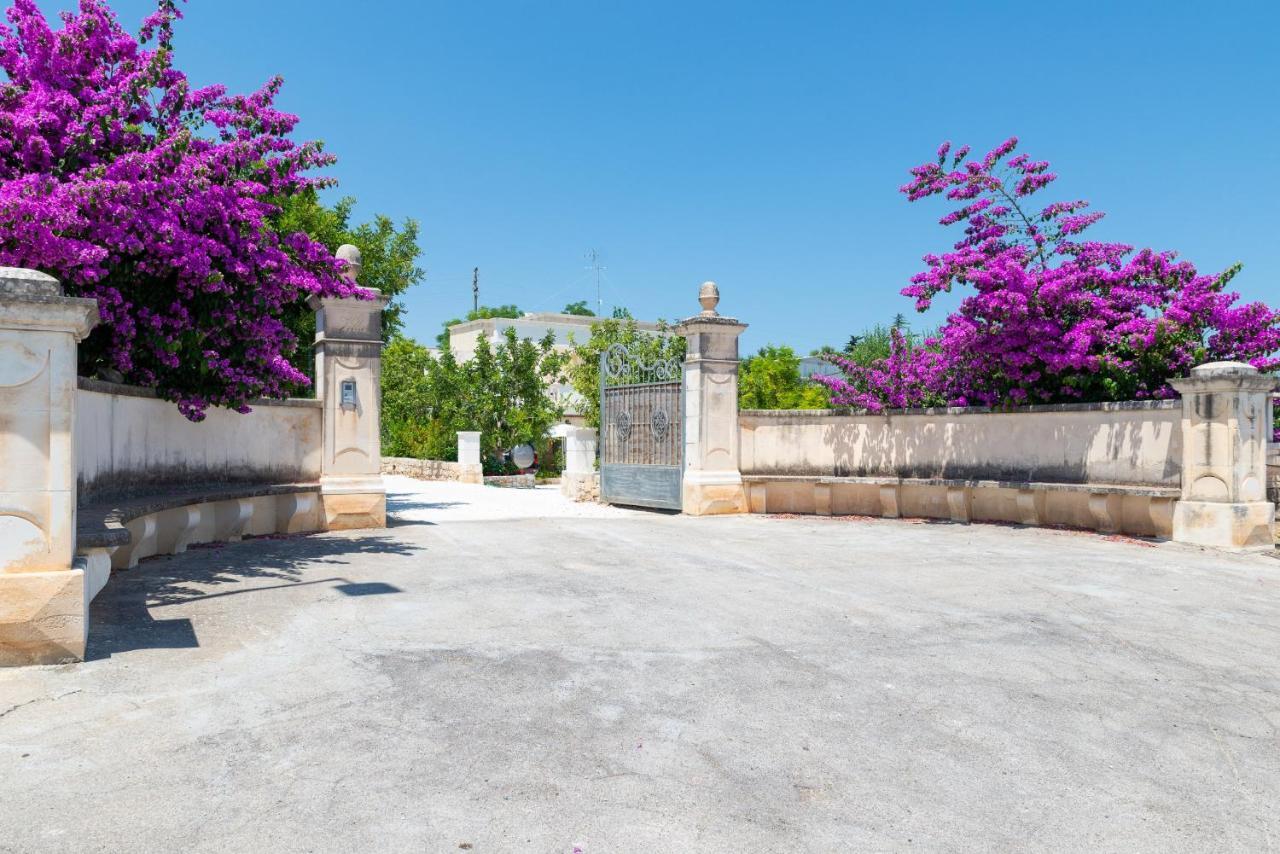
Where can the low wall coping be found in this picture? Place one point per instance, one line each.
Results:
(412, 461)
(101, 525)
(1041, 486)
(1112, 406)
(105, 387)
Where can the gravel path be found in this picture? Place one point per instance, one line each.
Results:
(439, 501)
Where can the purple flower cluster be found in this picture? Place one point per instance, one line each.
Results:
(1051, 318)
(157, 199)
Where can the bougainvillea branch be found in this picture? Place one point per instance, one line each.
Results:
(157, 199)
(1052, 318)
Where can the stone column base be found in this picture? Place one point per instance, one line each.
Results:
(470, 473)
(714, 494)
(355, 504)
(580, 486)
(1239, 527)
(43, 617)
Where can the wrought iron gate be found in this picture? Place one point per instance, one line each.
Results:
(641, 430)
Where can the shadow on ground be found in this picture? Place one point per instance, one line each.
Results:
(121, 619)
(400, 503)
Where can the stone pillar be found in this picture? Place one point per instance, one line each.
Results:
(577, 481)
(472, 470)
(1226, 424)
(349, 381)
(712, 480)
(43, 598)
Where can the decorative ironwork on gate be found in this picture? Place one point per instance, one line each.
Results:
(641, 429)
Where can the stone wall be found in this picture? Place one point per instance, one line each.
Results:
(1273, 473)
(126, 438)
(422, 469)
(1110, 467)
(1137, 443)
(511, 481)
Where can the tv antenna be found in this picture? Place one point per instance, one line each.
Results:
(594, 258)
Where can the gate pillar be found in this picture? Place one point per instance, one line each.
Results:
(1226, 422)
(349, 382)
(579, 479)
(44, 598)
(471, 469)
(712, 481)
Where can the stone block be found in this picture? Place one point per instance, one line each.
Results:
(43, 617)
(349, 511)
(1228, 525)
(714, 496)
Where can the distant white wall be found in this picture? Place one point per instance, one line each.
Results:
(125, 436)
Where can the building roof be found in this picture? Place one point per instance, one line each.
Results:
(545, 317)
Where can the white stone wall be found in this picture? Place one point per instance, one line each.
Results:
(1129, 443)
(125, 436)
(422, 469)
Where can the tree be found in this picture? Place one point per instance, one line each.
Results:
(584, 363)
(876, 344)
(771, 380)
(484, 312)
(389, 255)
(1052, 318)
(621, 312)
(507, 389)
(502, 392)
(419, 396)
(579, 308)
(157, 199)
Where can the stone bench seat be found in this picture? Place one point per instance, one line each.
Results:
(1140, 509)
(117, 533)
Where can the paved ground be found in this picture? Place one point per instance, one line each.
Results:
(605, 681)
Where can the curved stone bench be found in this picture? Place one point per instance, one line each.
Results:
(117, 534)
(1108, 508)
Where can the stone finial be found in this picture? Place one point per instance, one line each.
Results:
(1225, 375)
(709, 297)
(355, 262)
(21, 282)
(1213, 369)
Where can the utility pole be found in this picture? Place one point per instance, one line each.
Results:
(475, 289)
(594, 257)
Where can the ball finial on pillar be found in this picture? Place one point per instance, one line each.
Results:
(350, 254)
(709, 297)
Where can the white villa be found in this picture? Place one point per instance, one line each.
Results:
(463, 336)
(567, 328)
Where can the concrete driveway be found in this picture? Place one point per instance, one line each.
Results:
(501, 671)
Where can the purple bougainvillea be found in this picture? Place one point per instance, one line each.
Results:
(156, 199)
(1052, 317)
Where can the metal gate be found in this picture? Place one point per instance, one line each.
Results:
(641, 430)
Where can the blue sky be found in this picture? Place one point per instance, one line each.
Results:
(758, 144)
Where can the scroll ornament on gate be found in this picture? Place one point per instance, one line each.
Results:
(620, 365)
